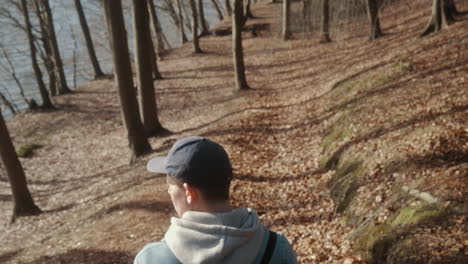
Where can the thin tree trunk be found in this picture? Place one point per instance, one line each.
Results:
(154, 62)
(247, 11)
(89, 42)
(438, 18)
(46, 103)
(218, 9)
(306, 15)
(63, 87)
(373, 14)
(204, 25)
(24, 203)
(325, 22)
(183, 38)
(196, 44)
(47, 57)
(136, 135)
(156, 27)
(286, 34)
(228, 7)
(241, 82)
(8, 104)
(145, 66)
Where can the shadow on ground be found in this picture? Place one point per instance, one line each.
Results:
(81, 256)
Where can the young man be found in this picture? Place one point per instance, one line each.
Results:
(208, 230)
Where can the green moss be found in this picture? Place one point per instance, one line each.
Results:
(344, 183)
(414, 214)
(26, 150)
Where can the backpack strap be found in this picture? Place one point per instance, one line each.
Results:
(270, 248)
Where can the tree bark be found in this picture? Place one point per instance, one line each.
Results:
(373, 14)
(247, 11)
(89, 42)
(156, 28)
(228, 7)
(183, 38)
(136, 135)
(204, 25)
(46, 103)
(23, 202)
(286, 34)
(47, 57)
(196, 44)
(241, 82)
(63, 87)
(325, 22)
(218, 9)
(145, 65)
(438, 19)
(306, 15)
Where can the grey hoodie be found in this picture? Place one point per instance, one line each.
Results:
(233, 237)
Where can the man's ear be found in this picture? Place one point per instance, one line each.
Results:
(190, 193)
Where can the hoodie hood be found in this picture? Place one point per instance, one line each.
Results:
(231, 237)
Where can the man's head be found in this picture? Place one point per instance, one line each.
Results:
(197, 168)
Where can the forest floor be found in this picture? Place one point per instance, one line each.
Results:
(99, 209)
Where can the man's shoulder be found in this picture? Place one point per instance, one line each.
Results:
(156, 251)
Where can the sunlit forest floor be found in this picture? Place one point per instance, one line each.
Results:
(99, 209)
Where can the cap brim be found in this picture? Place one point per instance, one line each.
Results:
(157, 165)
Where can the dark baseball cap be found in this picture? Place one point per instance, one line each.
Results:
(197, 161)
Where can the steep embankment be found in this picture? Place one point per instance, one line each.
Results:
(362, 119)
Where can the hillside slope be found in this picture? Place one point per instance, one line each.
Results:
(333, 142)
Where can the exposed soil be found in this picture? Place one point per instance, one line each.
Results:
(100, 209)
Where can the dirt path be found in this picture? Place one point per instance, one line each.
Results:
(99, 209)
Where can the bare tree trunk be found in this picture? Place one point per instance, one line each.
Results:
(204, 25)
(247, 11)
(228, 7)
(306, 15)
(8, 104)
(286, 34)
(154, 62)
(373, 14)
(156, 27)
(145, 66)
(218, 9)
(196, 44)
(47, 57)
(325, 22)
(89, 42)
(24, 203)
(181, 22)
(63, 87)
(136, 135)
(46, 103)
(438, 18)
(241, 82)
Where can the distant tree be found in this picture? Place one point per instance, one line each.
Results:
(63, 86)
(373, 14)
(136, 135)
(286, 34)
(325, 22)
(306, 15)
(23, 202)
(228, 7)
(89, 42)
(218, 9)
(145, 64)
(203, 24)
(241, 82)
(247, 10)
(183, 38)
(442, 12)
(156, 27)
(196, 45)
(46, 103)
(47, 54)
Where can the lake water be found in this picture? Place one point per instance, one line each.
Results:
(71, 44)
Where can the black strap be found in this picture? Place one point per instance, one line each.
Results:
(270, 248)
